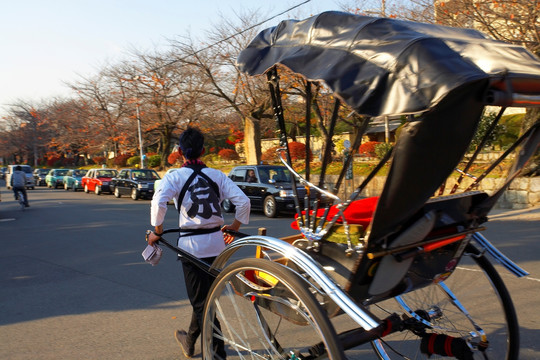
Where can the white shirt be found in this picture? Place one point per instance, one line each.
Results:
(205, 215)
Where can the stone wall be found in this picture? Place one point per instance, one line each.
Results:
(522, 193)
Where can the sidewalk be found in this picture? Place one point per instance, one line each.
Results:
(529, 214)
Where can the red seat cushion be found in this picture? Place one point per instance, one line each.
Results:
(359, 212)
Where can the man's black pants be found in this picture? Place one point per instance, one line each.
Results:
(198, 283)
(23, 190)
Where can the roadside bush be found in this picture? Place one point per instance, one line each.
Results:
(121, 160)
(482, 130)
(99, 159)
(134, 160)
(270, 155)
(368, 148)
(512, 127)
(54, 161)
(154, 160)
(298, 151)
(381, 149)
(228, 154)
(174, 158)
(68, 161)
(211, 158)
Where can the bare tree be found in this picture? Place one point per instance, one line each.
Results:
(232, 90)
(167, 96)
(105, 108)
(72, 135)
(27, 132)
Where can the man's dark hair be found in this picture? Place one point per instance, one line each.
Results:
(18, 167)
(191, 143)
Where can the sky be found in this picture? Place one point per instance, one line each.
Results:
(46, 43)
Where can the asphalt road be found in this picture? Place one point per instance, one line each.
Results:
(74, 284)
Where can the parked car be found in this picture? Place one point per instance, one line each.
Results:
(268, 187)
(27, 171)
(3, 172)
(98, 180)
(39, 176)
(73, 180)
(55, 178)
(138, 183)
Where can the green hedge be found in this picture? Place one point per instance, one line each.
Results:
(154, 161)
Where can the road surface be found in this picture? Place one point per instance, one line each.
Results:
(74, 285)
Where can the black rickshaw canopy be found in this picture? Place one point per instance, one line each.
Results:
(382, 66)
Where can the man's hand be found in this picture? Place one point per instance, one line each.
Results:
(235, 226)
(152, 238)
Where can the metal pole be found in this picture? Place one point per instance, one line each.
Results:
(386, 130)
(140, 135)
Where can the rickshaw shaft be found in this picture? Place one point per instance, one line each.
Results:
(352, 338)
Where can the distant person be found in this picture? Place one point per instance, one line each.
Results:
(251, 178)
(18, 183)
(201, 225)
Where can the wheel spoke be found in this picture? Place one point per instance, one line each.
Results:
(472, 304)
(264, 311)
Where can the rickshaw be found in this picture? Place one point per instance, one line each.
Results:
(405, 274)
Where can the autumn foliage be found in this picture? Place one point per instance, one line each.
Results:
(121, 160)
(368, 148)
(53, 161)
(228, 154)
(174, 158)
(298, 151)
(270, 154)
(235, 137)
(99, 159)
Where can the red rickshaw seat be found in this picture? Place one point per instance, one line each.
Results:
(359, 212)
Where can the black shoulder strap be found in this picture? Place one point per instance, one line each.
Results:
(197, 170)
(184, 189)
(210, 181)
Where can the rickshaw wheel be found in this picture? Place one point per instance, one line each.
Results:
(476, 284)
(263, 310)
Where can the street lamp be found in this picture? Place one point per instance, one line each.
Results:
(140, 135)
(136, 78)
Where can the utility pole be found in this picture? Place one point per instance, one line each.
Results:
(140, 135)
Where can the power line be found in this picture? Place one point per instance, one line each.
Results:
(232, 36)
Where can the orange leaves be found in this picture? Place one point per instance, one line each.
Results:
(298, 151)
(239, 87)
(174, 158)
(235, 137)
(158, 80)
(228, 154)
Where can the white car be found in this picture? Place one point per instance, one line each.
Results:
(27, 171)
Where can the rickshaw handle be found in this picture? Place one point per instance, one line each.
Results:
(185, 255)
